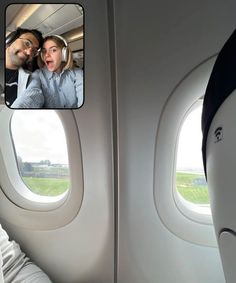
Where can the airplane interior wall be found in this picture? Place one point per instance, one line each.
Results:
(154, 45)
(158, 43)
(82, 250)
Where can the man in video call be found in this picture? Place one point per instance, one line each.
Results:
(22, 45)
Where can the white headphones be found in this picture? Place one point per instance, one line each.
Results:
(64, 51)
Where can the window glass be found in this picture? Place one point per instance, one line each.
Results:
(190, 178)
(41, 151)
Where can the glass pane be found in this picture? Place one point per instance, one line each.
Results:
(41, 151)
(190, 178)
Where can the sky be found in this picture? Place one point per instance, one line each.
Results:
(39, 135)
(189, 150)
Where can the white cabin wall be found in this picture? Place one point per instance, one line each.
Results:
(158, 43)
(83, 250)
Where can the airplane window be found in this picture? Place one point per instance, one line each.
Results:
(41, 151)
(180, 190)
(190, 178)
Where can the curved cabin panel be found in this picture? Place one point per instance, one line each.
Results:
(121, 219)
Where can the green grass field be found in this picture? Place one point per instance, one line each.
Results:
(47, 186)
(192, 187)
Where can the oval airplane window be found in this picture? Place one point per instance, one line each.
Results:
(176, 206)
(41, 151)
(190, 178)
(39, 186)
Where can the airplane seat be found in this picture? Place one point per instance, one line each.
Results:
(219, 154)
(221, 178)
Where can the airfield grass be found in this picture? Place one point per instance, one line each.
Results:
(46, 186)
(192, 187)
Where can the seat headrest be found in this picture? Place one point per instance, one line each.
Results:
(221, 84)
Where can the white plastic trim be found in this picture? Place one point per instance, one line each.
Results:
(15, 194)
(182, 218)
(201, 214)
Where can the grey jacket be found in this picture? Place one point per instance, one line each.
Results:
(15, 267)
(23, 80)
(51, 90)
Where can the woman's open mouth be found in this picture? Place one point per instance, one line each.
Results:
(49, 63)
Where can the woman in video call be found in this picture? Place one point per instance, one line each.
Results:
(58, 83)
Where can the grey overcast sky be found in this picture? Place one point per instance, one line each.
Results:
(189, 155)
(39, 135)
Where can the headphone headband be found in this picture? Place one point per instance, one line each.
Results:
(61, 38)
(12, 36)
(64, 50)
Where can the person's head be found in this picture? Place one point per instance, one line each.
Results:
(21, 46)
(55, 54)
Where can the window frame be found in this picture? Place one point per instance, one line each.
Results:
(61, 209)
(25, 190)
(187, 208)
(178, 215)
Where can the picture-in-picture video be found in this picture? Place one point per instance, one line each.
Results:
(44, 56)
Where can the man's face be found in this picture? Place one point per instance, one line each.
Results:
(22, 50)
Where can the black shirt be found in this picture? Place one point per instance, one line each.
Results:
(11, 79)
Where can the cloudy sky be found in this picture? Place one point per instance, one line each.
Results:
(189, 150)
(39, 135)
